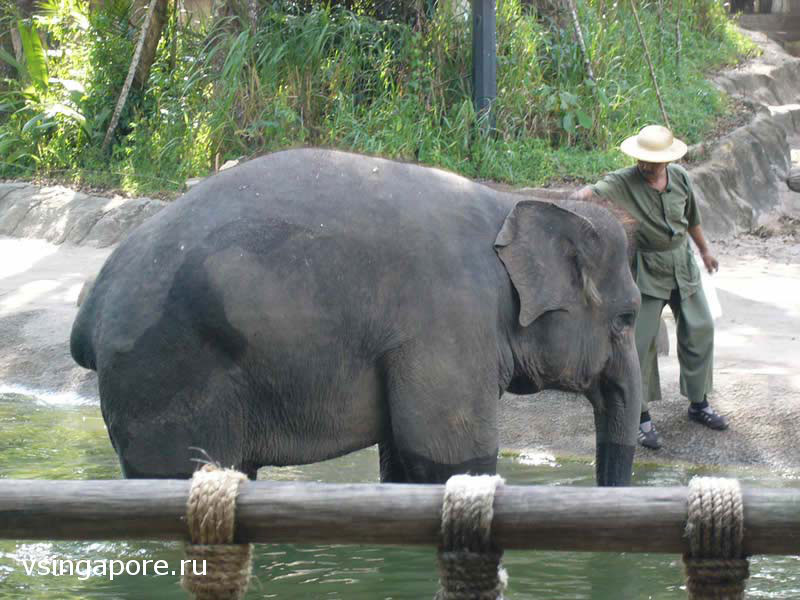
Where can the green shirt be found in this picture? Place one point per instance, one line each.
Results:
(663, 260)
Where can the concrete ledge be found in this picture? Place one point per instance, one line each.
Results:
(58, 214)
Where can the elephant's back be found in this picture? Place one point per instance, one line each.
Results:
(348, 193)
(300, 240)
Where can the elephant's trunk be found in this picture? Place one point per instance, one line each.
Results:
(617, 405)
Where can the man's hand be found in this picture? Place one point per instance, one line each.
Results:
(583, 194)
(711, 263)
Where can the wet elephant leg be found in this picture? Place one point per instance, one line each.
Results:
(420, 469)
(409, 467)
(392, 470)
(398, 466)
(443, 419)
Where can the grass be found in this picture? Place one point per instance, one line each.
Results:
(341, 79)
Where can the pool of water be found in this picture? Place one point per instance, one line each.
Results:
(47, 441)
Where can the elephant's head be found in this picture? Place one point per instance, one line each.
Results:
(568, 264)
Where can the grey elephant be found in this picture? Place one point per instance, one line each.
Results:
(310, 303)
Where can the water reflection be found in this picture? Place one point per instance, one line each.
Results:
(55, 442)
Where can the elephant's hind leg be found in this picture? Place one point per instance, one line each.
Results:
(392, 470)
(442, 419)
(409, 467)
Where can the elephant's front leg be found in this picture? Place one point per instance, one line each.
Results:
(443, 421)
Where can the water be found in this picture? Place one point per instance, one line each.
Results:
(46, 441)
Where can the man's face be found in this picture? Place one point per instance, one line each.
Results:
(651, 171)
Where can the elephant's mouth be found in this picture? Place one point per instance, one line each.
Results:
(579, 380)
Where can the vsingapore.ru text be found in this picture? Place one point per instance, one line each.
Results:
(109, 568)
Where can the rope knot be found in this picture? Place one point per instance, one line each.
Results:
(716, 578)
(469, 561)
(221, 569)
(715, 566)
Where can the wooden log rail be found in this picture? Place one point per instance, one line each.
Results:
(634, 519)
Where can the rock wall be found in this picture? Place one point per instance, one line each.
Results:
(741, 182)
(741, 177)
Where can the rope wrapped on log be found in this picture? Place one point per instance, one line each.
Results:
(716, 568)
(211, 517)
(469, 561)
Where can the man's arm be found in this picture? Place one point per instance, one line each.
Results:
(584, 194)
(711, 263)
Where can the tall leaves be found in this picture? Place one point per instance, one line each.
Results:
(309, 73)
(35, 57)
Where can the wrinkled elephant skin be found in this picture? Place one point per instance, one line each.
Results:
(310, 303)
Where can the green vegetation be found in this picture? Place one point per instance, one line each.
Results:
(331, 77)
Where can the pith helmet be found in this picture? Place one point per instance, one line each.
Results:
(654, 144)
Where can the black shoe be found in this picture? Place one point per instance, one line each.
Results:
(650, 439)
(709, 418)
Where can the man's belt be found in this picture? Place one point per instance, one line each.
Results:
(674, 245)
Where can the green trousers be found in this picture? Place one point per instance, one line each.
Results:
(695, 332)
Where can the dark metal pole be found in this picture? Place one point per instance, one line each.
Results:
(484, 59)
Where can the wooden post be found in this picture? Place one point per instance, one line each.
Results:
(634, 519)
(484, 58)
(173, 51)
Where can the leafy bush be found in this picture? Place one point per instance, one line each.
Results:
(321, 75)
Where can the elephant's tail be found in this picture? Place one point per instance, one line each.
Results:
(81, 344)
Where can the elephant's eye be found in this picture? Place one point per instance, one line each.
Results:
(624, 320)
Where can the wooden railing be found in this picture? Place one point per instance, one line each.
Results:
(633, 519)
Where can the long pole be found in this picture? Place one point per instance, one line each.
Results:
(634, 519)
(650, 64)
(579, 34)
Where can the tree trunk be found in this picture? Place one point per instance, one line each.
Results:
(25, 8)
(137, 53)
(6, 70)
(579, 35)
(148, 57)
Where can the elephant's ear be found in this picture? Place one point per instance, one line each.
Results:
(547, 251)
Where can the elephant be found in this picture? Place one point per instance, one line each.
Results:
(311, 302)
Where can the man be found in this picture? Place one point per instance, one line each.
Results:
(659, 196)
